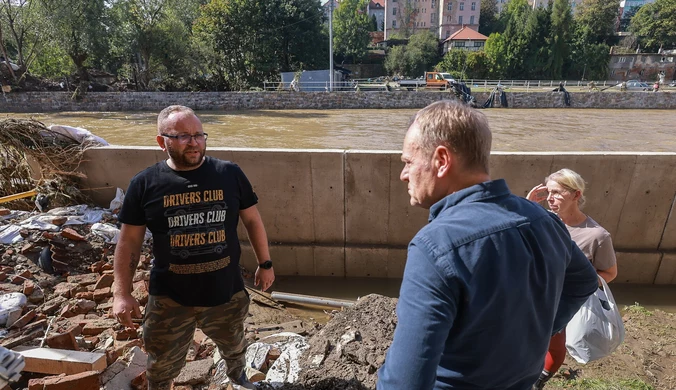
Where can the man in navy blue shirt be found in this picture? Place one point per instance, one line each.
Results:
(489, 279)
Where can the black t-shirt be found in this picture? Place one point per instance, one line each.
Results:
(193, 216)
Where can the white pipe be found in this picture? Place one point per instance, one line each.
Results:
(309, 299)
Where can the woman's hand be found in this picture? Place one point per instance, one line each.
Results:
(538, 193)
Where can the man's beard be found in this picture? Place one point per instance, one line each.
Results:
(182, 161)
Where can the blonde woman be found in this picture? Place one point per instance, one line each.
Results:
(564, 192)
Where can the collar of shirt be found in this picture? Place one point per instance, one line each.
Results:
(475, 193)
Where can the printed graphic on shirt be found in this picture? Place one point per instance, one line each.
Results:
(196, 221)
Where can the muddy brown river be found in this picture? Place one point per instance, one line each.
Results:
(524, 130)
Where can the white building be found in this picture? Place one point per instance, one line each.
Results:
(441, 17)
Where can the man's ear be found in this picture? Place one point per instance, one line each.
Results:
(160, 141)
(442, 160)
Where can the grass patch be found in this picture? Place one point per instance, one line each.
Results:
(636, 308)
(603, 384)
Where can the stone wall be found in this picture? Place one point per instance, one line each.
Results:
(155, 101)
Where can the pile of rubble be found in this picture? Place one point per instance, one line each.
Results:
(56, 275)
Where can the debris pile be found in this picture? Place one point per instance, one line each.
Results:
(56, 278)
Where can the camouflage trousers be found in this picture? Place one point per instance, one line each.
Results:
(169, 328)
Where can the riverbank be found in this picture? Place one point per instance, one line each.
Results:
(155, 101)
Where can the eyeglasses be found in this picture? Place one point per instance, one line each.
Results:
(185, 138)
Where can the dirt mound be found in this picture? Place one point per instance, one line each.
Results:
(347, 353)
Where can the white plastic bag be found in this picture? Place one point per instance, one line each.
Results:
(596, 330)
(116, 203)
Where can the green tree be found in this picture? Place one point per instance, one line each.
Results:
(422, 52)
(374, 23)
(454, 62)
(537, 32)
(406, 17)
(79, 28)
(25, 32)
(655, 24)
(253, 40)
(596, 20)
(516, 39)
(488, 17)
(396, 61)
(351, 30)
(496, 50)
(560, 38)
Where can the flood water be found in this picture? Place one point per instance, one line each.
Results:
(522, 130)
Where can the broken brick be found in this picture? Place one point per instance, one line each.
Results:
(85, 295)
(96, 267)
(28, 287)
(104, 281)
(4, 211)
(18, 279)
(28, 247)
(84, 279)
(58, 221)
(48, 235)
(141, 295)
(72, 234)
(126, 334)
(23, 321)
(63, 289)
(51, 306)
(65, 340)
(3, 276)
(107, 267)
(88, 380)
(140, 382)
(102, 294)
(98, 326)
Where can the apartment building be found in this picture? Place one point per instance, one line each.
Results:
(441, 17)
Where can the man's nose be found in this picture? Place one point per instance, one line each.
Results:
(403, 176)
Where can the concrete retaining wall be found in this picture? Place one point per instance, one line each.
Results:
(345, 213)
(155, 101)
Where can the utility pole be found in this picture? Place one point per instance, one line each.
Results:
(331, 46)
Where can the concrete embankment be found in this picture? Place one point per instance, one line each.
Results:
(155, 101)
(345, 213)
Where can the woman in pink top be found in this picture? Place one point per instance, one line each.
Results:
(564, 192)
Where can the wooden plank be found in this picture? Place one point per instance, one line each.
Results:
(58, 361)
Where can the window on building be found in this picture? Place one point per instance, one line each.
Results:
(460, 19)
(394, 11)
(471, 19)
(394, 24)
(641, 72)
(448, 33)
(450, 5)
(670, 59)
(478, 44)
(623, 59)
(433, 3)
(459, 44)
(462, 6)
(473, 6)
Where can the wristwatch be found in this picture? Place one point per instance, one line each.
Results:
(266, 264)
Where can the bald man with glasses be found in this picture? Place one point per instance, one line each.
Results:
(192, 204)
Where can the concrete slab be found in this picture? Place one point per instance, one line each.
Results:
(648, 202)
(635, 267)
(404, 220)
(293, 260)
(112, 167)
(396, 262)
(283, 181)
(666, 274)
(329, 261)
(366, 262)
(521, 171)
(608, 178)
(669, 234)
(367, 195)
(328, 197)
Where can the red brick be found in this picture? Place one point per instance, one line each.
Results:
(4, 211)
(63, 289)
(3, 276)
(102, 294)
(96, 267)
(58, 221)
(83, 381)
(19, 279)
(140, 382)
(96, 327)
(141, 295)
(84, 280)
(28, 247)
(9, 252)
(23, 321)
(85, 295)
(48, 235)
(65, 340)
(104, 281)
(72, 234)
(126, 334)
(107, 267)
(28, 287)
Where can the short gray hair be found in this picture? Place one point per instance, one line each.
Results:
(459, 127)
(164, 114)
